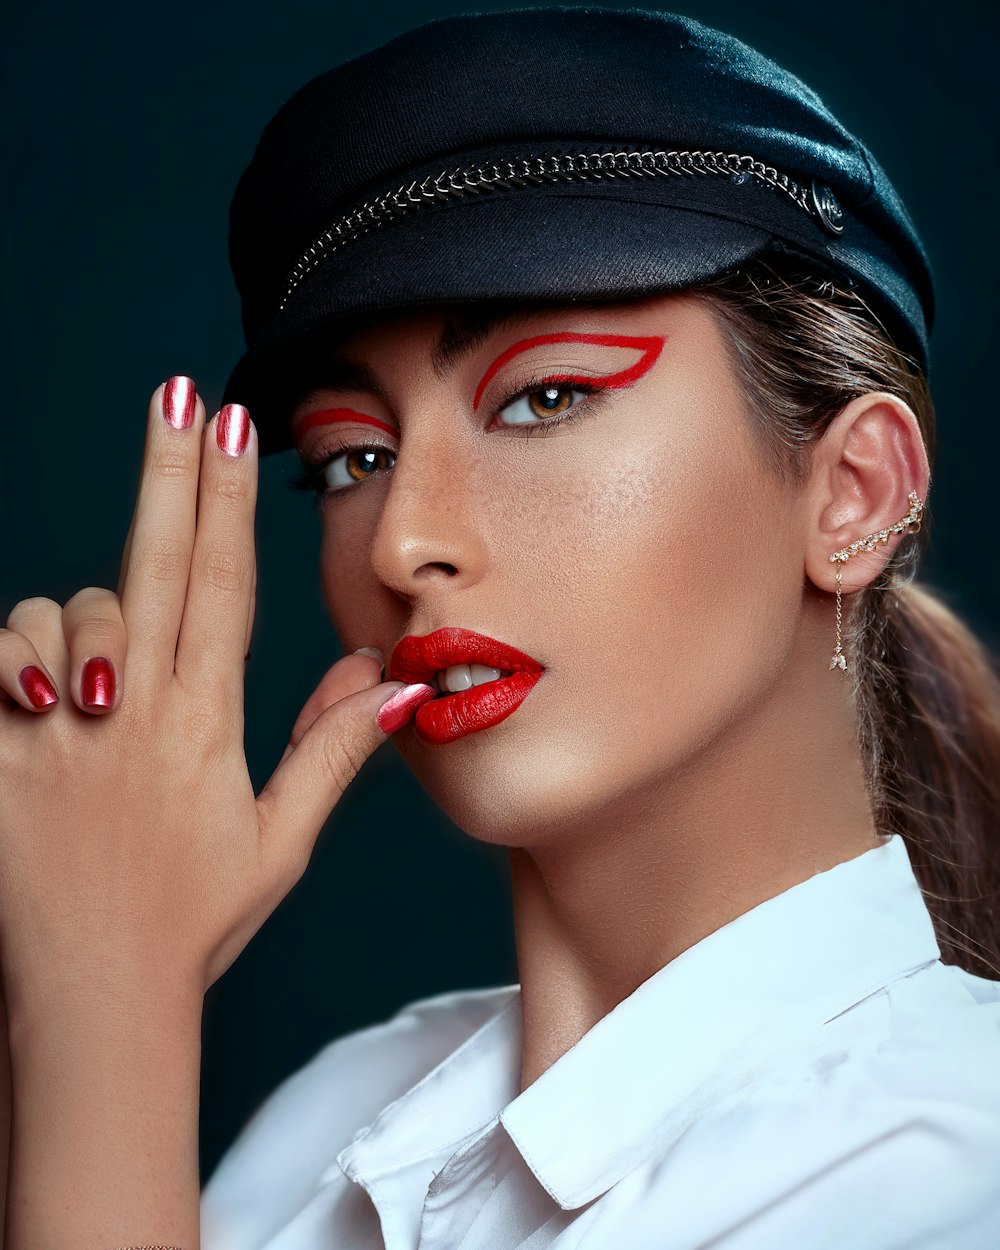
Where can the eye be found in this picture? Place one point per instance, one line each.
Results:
(547, 400)
(341, 470)
(354, 464)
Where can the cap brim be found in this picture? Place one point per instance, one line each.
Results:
(536, 247)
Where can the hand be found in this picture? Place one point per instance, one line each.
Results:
(131, 842)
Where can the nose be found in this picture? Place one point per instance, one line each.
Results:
(430, 535)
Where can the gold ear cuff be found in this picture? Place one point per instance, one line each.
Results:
(869, 543)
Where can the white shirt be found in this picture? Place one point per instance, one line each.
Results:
(810, 1076)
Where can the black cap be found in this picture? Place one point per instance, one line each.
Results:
(548, 154)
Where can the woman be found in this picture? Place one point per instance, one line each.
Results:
(605, 345)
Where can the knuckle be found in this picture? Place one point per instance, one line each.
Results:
(31, 609)
(98, 631)
(342, 760)
(169, 463)
(93, 599)
(232, 487)
(165, 559)
(226, 572)
(10, 638)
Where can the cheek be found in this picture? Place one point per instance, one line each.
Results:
(350, 592)
(636, 540)
(646, 577)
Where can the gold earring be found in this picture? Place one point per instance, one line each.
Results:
(869, 543)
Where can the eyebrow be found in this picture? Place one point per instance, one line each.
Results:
(462, 333)
(465, 329)
(337, 373)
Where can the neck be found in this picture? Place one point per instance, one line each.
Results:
(602, 905)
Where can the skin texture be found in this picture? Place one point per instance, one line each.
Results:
(138, 859)
(688, 753)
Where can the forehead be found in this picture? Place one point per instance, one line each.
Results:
(452, 332)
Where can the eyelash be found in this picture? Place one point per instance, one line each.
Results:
(311, 477)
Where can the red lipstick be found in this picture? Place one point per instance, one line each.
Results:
(450, 716)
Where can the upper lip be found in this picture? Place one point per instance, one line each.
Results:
(416, 658)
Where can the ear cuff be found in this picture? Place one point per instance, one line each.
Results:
(869, 543)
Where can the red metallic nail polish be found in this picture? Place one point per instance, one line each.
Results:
(37, 686)
(398, 710)
(97, 683)
(179, 396)
(232, 429)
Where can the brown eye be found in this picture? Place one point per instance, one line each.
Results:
(550, 400)
(361, 462)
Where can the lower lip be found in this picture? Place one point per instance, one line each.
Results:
(468, 711)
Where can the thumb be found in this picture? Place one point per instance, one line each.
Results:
(313, 775)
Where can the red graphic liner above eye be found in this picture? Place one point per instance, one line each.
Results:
(331, 416)
(650, 348)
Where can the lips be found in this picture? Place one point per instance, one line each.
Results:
(417, 658)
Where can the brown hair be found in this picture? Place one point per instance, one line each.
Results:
(926, 692)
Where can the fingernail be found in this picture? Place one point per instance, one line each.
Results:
(400, 708)
(97, 684)
(232, 429)
(179, 397)
(37, 686)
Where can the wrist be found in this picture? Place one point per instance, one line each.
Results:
(106, 1082)
(122, 1001)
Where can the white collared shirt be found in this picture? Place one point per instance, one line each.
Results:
(810, 1076)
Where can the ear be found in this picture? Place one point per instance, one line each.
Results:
(863, 469)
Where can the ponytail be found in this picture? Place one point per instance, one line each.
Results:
(931, 735)
(926, 693)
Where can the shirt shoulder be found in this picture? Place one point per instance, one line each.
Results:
(882, 1135)
(278, 1156)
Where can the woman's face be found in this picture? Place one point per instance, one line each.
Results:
(584, 486)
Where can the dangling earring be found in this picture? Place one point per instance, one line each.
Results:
(869, 543)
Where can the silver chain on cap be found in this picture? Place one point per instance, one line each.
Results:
(817, 199)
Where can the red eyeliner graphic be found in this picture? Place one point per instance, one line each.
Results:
(649, 346)
(331, 416)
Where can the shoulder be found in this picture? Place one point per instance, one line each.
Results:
(912, 1111)
(883, 1132)
(317, 1110)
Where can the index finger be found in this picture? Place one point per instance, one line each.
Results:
(157, 560)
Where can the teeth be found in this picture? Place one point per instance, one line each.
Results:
(464, 676)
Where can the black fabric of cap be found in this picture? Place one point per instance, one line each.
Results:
(467, 91)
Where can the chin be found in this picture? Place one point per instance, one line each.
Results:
(514, 793)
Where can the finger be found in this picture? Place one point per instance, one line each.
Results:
(358, 671)
(251, 613)
(24, 679)
(126, 553)
(97, 643)
(212, 642)
(342, 679)
(38, 623)
(156, 572)
(305, 788)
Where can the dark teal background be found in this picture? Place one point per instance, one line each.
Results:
(126, 128)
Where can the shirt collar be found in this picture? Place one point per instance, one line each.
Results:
(689, 1034)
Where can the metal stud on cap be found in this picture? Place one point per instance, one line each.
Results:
(827, 209)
